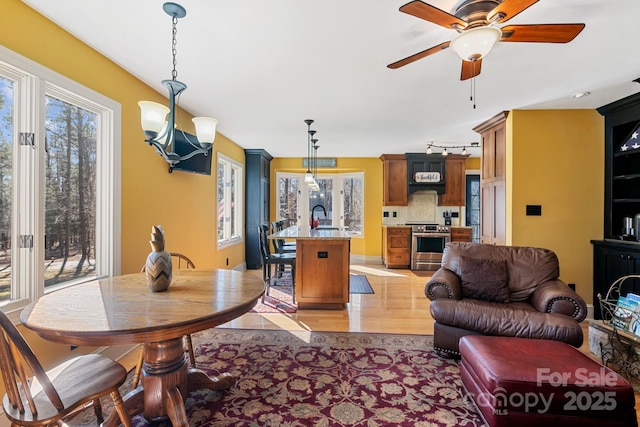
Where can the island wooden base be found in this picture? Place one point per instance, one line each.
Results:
(322, 273)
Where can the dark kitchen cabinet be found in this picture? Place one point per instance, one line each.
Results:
(257, 176)
(612, 260)
(622, 163)
(419, 162)
(613, 257)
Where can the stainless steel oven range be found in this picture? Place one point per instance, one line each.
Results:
(427, 245)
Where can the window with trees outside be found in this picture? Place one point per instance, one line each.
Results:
(59, 182)
(229, 200)
(341, 196)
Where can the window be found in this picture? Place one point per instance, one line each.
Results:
(59, 182)
(229, 200)
(341, 196)
(70, 192)
(6, 184)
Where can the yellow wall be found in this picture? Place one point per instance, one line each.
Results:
(472, 163)
(370, 245)
(183, 203)
(557, 159)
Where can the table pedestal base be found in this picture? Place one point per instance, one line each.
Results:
(166, 380)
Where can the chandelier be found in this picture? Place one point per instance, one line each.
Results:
(312, 158)
(159, 131)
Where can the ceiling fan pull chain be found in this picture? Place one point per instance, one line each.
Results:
(473, 83)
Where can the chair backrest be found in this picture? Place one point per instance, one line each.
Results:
(263, 232)
(527, 267)
(182, 261)
(178, 261)
(275, 227)
(14, 353)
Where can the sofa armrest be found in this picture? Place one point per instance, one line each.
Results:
(554, 296)
(443, 284)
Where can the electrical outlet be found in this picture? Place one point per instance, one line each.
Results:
(385, 214)
(395, 214)
(534, 210)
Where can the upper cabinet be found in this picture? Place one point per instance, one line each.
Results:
(493, 218)
(425, 163)
(394, 185)
(622, 164)
(455, 179)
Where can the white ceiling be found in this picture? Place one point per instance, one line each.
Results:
(263, 66)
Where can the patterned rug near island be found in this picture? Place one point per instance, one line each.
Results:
(306, 378)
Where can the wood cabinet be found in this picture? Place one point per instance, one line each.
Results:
(396, 247)
(322, 273)
(493, 180)
(612, 260)
(257, 176)
(461, 234)
(394, 180)
(455, 181)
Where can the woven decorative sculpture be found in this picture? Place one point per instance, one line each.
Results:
(158, 266)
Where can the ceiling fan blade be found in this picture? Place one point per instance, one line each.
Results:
(419, 55)
(470, 69)
(541, 33)
(508, 9)
(430, 13)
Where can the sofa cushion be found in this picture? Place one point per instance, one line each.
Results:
(484, 279)
(516, 319)
(527, 266)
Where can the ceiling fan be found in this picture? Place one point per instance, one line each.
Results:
(477, 24)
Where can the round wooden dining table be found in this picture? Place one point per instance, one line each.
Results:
(123, 310)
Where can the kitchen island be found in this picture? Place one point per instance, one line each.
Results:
(322, 266)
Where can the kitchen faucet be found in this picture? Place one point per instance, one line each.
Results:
(312, 212)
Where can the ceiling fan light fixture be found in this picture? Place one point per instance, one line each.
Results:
(475, 43)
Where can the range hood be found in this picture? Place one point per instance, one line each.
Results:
(425, 172)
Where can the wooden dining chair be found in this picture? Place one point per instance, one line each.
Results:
(277, 259)
(49, 396)
(178, 261)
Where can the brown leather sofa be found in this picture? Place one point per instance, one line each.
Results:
(501, 291)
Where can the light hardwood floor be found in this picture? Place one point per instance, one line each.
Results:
(398, 306)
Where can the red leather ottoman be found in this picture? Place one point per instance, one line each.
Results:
(530, 382)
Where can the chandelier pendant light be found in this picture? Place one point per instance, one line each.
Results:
(160, 130)
(309, 176)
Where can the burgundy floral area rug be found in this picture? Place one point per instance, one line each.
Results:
(323, 379)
